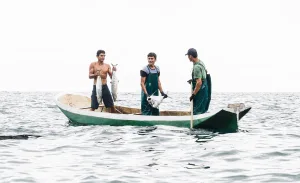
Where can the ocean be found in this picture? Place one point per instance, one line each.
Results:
(38, 144)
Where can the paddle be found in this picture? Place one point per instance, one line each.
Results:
(85, 108)
(192, 105)
(102, 108)
(91, 107)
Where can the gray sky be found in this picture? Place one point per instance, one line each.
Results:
(247, 45)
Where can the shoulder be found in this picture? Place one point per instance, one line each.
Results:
(145, 69)
(197, 67)
(92, 64)
(144, 72)
(197, 70)
(202, 63)
(157, 67)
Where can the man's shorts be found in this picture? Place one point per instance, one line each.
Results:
(106, 96)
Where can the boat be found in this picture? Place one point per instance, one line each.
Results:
(75, 107)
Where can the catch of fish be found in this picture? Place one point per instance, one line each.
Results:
(155, 101)
(99, 90)
(114, 84)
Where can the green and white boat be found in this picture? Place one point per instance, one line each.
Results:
(74, 107)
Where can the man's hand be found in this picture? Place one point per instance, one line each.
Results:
(192, 97)
(98, 73)
(164, 95)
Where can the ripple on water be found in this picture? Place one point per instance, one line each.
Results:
(265, 149)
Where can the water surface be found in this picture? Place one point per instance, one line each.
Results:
(43, 147)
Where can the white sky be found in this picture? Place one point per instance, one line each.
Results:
(247, 45)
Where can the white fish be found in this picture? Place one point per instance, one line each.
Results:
(114, 84)
(155, 101)
(99, 90)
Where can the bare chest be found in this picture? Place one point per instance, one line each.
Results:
(101, 68)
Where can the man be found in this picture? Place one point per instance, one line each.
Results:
(101, 69)
(201, 85)
(150, 84)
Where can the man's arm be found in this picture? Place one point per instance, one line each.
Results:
(198, 76)
(92, 74)
(109, 71)
(161, 90)
(159, 86)
(143, 80)
(198, 86)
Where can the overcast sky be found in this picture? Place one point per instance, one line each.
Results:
(247, 45)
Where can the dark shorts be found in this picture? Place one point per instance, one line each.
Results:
(106, 96)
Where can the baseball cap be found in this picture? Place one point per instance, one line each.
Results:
(193, 52)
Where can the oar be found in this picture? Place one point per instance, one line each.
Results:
(91, 107)
(102, 108)
(85, 108)
(192, 106)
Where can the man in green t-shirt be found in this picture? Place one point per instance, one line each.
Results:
(200, 86)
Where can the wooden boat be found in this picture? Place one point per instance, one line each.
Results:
(76, 109)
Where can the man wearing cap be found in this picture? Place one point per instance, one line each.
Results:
(200, 85)
(150, 84)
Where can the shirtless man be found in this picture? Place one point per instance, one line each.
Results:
(101, 69)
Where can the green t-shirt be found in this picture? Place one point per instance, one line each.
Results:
(199, 70)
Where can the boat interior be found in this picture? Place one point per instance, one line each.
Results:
(83, 103)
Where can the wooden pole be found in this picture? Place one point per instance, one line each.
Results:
(192, 108)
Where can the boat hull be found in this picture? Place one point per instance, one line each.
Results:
(223, 120)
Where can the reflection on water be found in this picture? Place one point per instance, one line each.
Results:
(194, 166)
(203, 138)
(146, 130)
(18, 137)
